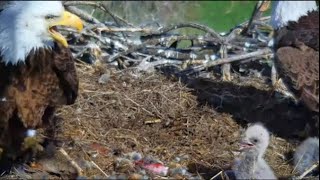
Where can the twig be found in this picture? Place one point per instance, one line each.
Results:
(74, 3)
(152, 121)
(216, 175)
(82, 14)
(240, 57)
(79, 54)
(160, 43)
(149, 66)
(191, 25)
(172, 53)
(135, 48)
(104, 40)
(95, 165)
(113, 17)
(174, 37)
(100, 6)
(150, 113)
(149, 42)
(255, 14)
(123, 29)
(309, 170)
(260, 21)
(76, 166)
(226, 68)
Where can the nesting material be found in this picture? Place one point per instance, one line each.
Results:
(108, 121)
(306, 155)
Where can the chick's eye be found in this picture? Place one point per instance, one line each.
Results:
(50, 16)
(254, 140)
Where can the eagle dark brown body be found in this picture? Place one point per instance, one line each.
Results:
(297, 58)
(31, 91)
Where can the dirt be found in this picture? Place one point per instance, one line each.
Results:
(162, 117)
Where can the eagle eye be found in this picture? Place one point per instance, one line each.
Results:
(50, 16)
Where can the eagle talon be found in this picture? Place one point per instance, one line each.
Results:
(302, 46)
(33, 144)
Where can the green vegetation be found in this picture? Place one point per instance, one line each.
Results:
(222, 15)
(219, 15)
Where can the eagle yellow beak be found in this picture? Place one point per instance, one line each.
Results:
(68, 19)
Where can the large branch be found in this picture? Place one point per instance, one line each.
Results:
(258, 53)
(261, 52)
(190, 25)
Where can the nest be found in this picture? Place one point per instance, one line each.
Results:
(161, 117)
(148, 96)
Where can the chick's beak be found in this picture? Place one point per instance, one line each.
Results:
(244, 144)
(68, 19)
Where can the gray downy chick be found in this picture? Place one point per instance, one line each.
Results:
(306, 155)
(251, 164)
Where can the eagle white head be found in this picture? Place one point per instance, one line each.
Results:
(255, 139)
(285, 11)
(29, 25)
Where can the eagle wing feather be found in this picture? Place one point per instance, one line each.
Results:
(300, 72)
(297, 58)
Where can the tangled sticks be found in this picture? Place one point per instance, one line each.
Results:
(145, 48)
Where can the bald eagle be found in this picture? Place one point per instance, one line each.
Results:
(37, 70)
(296, 46)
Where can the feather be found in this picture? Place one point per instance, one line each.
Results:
(33, 90)
(251, 164)
(297, 55)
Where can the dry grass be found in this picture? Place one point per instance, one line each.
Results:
(155, 116)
